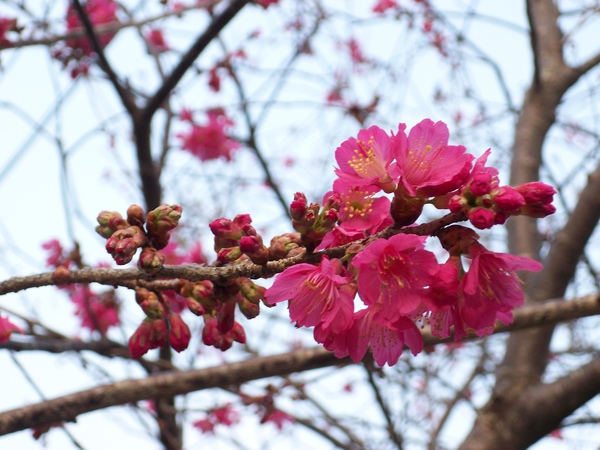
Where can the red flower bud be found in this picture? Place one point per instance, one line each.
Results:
(151, 260)
(179, 334)
(136, 216)
(482, 218)
(508, 199)
(158, 334)
(109, 222)
(139, 342)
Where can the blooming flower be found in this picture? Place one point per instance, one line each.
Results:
(428, 166)
(393, 274)
(358, 210)
(210, 141)
(491, 288)
(367, 160)
(97, 312)
(386, 338)
(318, 295)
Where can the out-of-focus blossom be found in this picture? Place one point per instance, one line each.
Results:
(210, 141)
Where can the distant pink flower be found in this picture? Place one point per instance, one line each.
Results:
(56, 255)
(367, 160)
(393, 273)
(383, 5)
(204, 425)
(156, 41)
(7, 328)
(428, 166)
(97, 312)
(210, 141)
(6, 25)
(99, 12)
(277, 417)
(317, 295)
(356, 52)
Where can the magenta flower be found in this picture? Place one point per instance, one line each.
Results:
(387, 339)
(97, 312)
(393, 273)
(318, 295)
(210, 141)
(156, 41)
(359, 211)
(7, 328)
(491, 288)
(367, 160)
(428, 166)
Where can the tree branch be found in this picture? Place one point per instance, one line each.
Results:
(188, 59)
(168, 384)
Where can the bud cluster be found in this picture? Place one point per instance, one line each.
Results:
(149, 232)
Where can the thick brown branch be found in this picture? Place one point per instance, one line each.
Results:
(169, 384)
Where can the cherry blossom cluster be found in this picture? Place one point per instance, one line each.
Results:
(372, 283)
(77, 53)
(400, 284)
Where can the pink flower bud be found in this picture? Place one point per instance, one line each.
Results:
(538, 211)
(457, 240)
(139, 342)
(109, 222)
(179, 334)
(160, 222)
(405, 210)
(136, 216)
(7, 328)
(248, 309)
(226, 316)
(299, 206)
(158, 334)
(151, 260)
(457, 203)
(482, 218)
(508, 199)
(481, 184)
(123, 244)
(253, 247)
(281, 245)
(536, 193)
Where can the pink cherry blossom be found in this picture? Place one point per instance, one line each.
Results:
(97, 312)
(359, 211)
(383, 5)
(386, 339)
(156, 41)
(367, 160)
(428, 166)
(318, 295)
(491, 287)
(210, 141)
(393, 274)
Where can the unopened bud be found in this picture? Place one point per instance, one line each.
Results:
(136, 216)
(179, 334)
(151, 260)
(253, 247)
(109, 222)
